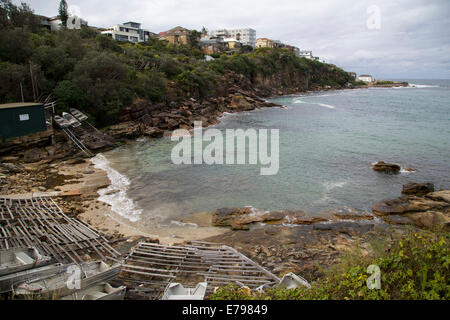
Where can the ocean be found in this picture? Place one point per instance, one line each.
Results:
(328, 143)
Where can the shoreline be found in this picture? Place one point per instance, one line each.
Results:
(91, 180)
(280, 241)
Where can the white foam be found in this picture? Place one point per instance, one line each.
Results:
(412, 85)
(327, 106)
(184, 224)
(402, 170)
(299, 101)
(334, 185)
(119, 202)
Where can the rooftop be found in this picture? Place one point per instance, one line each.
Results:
(19, 105)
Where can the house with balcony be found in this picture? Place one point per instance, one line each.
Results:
(366, 78)
(177, 35)
(128, 31)
(55, 23)
(268, 43)
(306, 54)
(246, 36)
(212, 45)
(294, 50)
(232, 44)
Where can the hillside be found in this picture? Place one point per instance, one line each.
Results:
(91, 72)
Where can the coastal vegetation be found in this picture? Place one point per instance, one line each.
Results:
(385, 82)
(98, 75)
(416, 266)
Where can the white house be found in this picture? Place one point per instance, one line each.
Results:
(246, 36)
(366, 78)
(306, 54)
(128, 31)
(55, 23)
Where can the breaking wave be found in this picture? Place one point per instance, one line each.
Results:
(327, 106)
(298, 101)
(333, 185)
(116, 194)
(412, 85)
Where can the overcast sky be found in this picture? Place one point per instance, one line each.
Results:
(411, 39)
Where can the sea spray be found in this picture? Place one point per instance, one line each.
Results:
(116, 194)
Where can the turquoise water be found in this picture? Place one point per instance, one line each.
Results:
(328, 142)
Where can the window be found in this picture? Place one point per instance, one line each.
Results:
(24, 117)
(121, 37)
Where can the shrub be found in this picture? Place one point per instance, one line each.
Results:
(415, 266)
(68, 95)
(150, 85)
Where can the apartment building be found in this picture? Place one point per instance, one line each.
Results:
(128, 31)
(246, 36)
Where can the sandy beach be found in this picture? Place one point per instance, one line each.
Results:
(83, 194)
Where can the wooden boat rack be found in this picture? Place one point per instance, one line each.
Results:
(39, 222)
(150, 268)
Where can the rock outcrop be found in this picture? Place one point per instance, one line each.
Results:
(243, 218)
(389, 168)
(431, 210)
(418, 189)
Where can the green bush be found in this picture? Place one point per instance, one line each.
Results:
(11, 75)
(415, 267)
(85, 69)
(150, 85)
(68, 95)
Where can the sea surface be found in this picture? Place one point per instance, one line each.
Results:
(328, 142)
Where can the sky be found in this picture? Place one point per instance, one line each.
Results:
(406, 39)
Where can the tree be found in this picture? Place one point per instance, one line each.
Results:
(11, 77)
(4, 13)
(15, 45)
(12, 16)
(194, 37)
(68, 95)
(63, 14)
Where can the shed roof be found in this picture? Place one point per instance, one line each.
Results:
(19, 105)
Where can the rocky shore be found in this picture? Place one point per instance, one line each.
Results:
(283, 241)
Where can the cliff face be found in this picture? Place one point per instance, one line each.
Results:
(283, 82)
(232, 92)
(287, 80)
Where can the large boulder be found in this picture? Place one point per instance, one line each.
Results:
(11, 168)
(34, 155)
(427, 211)
(430, 219)
(407, 204)
(97, 141)
(389, 168)
(443, 195)
(242, 218)
(147, 120)
(240, 103)
(225, 217)
(127, 130)
(418, 188)
(152, 132)
(388, 207)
